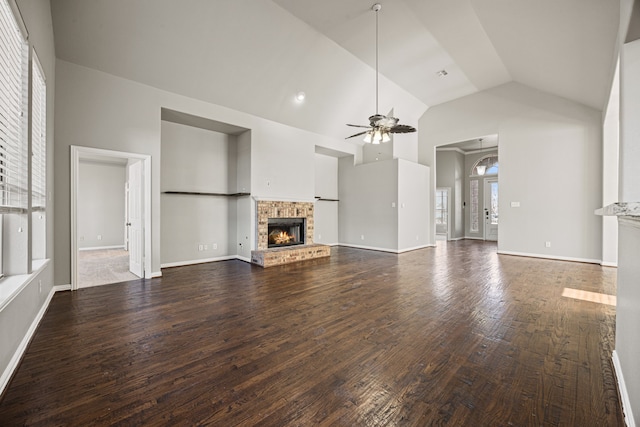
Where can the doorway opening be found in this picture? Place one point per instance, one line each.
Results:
(110, 216)
(469, 170)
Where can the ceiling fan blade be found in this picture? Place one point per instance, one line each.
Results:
(357, 134)
(358, 126)
(402, 129)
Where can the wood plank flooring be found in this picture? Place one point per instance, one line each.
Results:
(455, 335)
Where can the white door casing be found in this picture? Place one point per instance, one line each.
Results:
(79, 152)
(135, 219)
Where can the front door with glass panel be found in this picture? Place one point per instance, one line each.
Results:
(491, 209)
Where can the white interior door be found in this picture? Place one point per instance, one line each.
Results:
(491, 209)
(126, 214)
(134, 214)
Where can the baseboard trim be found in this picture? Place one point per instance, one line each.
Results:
(242, 258)
(95, 248)
(609, 264)
(156, 274)
(622, 390)
(17, 356)
(197, 261)
(369, 248)
(415, 248)
(393, 251)
(554, 257)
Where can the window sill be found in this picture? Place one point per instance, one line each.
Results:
(11, 286)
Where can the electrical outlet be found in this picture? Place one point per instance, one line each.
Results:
(362, 237)
(214, 246)
(417, 237)
(547, 244)
(206, 247)
(393, 204)
(319, 236)
(99, 236)
(200, 247)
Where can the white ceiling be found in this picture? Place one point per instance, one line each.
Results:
(561, 47)
(255, 55)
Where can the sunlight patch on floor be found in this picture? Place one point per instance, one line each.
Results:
(589, 296)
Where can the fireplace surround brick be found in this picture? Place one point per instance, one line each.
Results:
(275, 256)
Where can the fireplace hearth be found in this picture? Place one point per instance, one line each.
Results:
(293, 239)
(286, 232)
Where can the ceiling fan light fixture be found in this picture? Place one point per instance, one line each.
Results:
(481, 169)
(380, 126)
(377, 137)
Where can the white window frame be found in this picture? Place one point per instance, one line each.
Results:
(38, 135)
(14, 91)
(489, 161)
(474, 206)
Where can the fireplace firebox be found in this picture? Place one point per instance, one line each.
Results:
(286, 232)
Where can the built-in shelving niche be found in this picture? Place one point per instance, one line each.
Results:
(200, 193)
(205, 178)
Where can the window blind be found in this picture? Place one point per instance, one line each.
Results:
(38, 137)
(13, 94)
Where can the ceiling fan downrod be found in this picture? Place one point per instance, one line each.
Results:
(376, 8)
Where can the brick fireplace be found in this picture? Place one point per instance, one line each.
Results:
(267, 257)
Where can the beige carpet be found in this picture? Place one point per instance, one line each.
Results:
(103, 266)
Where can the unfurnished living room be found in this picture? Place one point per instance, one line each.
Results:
(338, 213)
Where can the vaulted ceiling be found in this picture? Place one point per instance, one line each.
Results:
(254, 55)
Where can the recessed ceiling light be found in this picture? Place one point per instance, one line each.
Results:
(300, 96)
(442, 73)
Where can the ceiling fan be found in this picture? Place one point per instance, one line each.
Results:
(380, 126)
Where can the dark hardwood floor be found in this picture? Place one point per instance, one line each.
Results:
(455, 335)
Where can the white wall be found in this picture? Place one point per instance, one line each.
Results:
(628, 286)
(196, 160)
(629, 189)
(127, 118)
(326, 211)
(559, 139)
(610, 154)
(101, 204)
(383, 205)
(366, 216)
(413, 205)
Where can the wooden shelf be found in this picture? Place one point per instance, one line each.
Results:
(197, 193)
